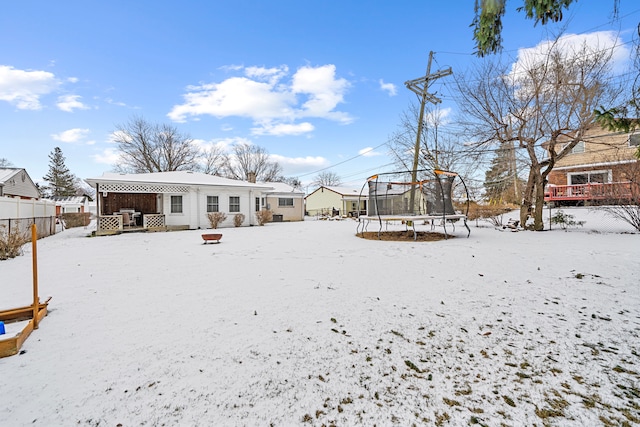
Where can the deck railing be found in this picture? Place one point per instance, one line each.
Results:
(613, 192)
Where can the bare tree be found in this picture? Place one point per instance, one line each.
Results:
(5, 163)
(544, 107)
(625, 116)
(213, 160)
(327, 179)
(147, 147)
(439, 147)
(248, 160)
(293, 181)
(624, 203)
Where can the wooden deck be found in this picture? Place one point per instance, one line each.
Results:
(614, 192)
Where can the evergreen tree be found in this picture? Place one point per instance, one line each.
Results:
(61, 181)
(501, 181)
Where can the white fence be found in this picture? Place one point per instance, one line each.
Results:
(17, 208)
(18, 214)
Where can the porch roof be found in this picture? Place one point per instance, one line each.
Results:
(166, 182)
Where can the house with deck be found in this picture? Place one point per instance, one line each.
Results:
(601, 169)
(172, 200)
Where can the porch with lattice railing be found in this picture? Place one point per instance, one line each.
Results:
(112, 224)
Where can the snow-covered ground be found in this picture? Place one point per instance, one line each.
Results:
(307, 324)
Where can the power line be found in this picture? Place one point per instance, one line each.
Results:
(343, 162)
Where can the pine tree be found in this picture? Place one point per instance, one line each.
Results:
(501, 182)
(61, 181)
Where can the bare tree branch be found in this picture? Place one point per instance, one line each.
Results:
(544, 104)
(146, 147)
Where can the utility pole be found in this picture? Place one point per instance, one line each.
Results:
(420, 87)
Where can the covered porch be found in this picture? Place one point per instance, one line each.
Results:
(123, 207)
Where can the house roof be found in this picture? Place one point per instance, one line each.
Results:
(345, 192)
(8, 176)
(69, 200)
(283, 188)
(174, 177)
(7, 173)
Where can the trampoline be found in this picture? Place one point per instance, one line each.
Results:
(428, 201)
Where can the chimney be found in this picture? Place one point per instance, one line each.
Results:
(251, 177)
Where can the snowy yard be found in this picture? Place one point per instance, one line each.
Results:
(307, 324)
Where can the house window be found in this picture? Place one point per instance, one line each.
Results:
(257, 204)
(634, 139)
(595, 177)
(579, 148)
(176, 204)
(234, 204)
(212, 204)
(285, 202)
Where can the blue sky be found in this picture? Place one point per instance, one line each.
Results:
(315, 83)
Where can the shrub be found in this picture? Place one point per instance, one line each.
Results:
(492, 212)
(238, 219)
(78, 219)
(264, 216)
(11, 243)
(565, 220)
(215, 218)
(628, 213)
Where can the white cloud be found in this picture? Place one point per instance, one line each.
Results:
(272, 75)
(439, 116)
(265, 96)
(71, 135)
(280, 129)
(324, 90)
(390, 88)
(369, 152)
(117, 103)
(69, 103)
(570, 45)
(73, 80)
(297, 165)
(108, 156)
(224, 144)
(24, 88)
(236, 96)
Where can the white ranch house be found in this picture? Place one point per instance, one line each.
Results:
(172, 200)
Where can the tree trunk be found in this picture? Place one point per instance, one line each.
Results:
(538, 223)
(527, 199)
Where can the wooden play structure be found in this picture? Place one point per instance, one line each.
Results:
(10, 344)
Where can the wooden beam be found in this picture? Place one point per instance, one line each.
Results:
(11, 346)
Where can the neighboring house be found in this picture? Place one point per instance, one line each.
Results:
(599, 168)
(337, 201)
(17, 182)
(286, 203)
(71, 204)
(21, 206)
(173, 200)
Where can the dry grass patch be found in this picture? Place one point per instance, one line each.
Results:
(403, 236)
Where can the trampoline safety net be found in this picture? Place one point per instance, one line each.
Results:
(430, 197)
